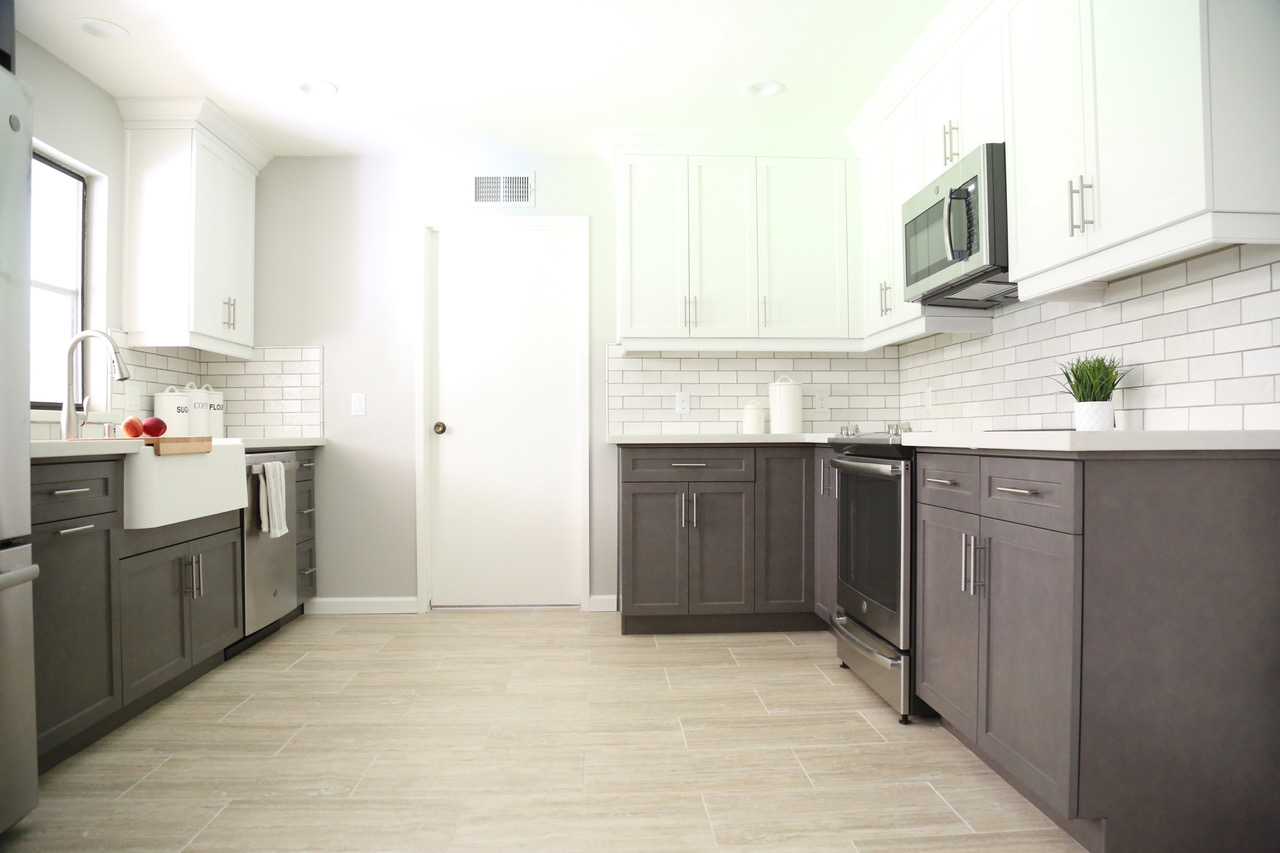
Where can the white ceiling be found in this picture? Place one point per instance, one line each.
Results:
(537, 75)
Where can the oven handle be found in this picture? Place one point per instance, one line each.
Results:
(876, 468)
(880, 660)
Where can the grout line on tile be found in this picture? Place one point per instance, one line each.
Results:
(953, 808)
(144, 778)
(680, 722)
(732, 655)
(761, 698)
(193, 838)
(298, 661)
(824, 674)
(873, 727)
(667, 676)
(802, 768)
(707, 811)
(789, 640)
(237, 707)
(290, 740)
(356, 786)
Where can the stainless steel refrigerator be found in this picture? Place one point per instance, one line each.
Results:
(18, 772)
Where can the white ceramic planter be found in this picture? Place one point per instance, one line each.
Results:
(1095, 417)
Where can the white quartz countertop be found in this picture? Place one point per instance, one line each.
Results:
(57, 449)
(1070, 441)
(728, 438)
(1048, 441)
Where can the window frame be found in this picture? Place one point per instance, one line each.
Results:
(83, 303)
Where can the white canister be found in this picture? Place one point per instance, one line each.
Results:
(752, 419)
(174, 408)
(198, 421)
(784, 406)
(217, 412)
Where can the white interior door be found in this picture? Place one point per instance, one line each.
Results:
(509, 497)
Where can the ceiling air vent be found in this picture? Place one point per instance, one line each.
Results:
(504, 191)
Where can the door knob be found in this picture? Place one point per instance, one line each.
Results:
(439, 428)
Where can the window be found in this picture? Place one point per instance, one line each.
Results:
(58, 209)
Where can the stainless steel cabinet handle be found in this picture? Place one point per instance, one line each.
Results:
(939, 481)
(688, 465)
(695, 509)
(192, 578)
(1084, 220)
(764, 310)
(81, 529)
(683, 499)
(200, 575)
(310, 571)
(1072, 192)
(973, 564)
(946, 145)
(1012, 491)
(72, 491)
(235, 315)
(695, 311)
(307, 511)
(964, 562)
(953, 141)
(226, 303)
(685, 316)
(307, 465)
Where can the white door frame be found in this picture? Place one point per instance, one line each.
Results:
(426, 404)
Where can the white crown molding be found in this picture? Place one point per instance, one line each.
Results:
(187, 112)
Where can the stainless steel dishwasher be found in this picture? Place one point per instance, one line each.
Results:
(270, 565)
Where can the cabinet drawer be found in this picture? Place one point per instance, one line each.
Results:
(306, 491)
(1041, 493)
(686, 464)
(306, 571)
(947, 480)
(70, 490)
(306, 466)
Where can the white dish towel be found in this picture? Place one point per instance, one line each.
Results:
(271, 500)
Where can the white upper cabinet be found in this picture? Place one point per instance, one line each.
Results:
(653, 245)
(190, 186)
(803, 245)
(891, 174)
(725, 248)
(1141, 132)
(960, 104)
(723, 283)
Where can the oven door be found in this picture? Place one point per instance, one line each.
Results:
(874, 562)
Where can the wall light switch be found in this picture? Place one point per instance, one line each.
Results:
(821, 403)
(682, 402)
(357, 404)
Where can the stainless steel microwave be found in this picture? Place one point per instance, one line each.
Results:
(956, 235)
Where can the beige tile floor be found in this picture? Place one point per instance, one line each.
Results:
(528, 731)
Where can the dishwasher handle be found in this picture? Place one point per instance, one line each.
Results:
(288, 466)
(26, 574)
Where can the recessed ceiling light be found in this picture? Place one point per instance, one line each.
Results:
(318, 88)
(763, 88)
(101, 29)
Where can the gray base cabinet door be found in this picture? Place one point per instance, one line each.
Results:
(1030, 663)
(654, 541)
(155, 591)
(784, 491)
(77, 612)
(826, 521)
(217, 606)
(948, 617)
(722, 548)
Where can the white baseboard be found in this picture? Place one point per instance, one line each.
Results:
(603, 603)
(345, 606)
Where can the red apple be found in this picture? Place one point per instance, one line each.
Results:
(132, 426)
(154, 427)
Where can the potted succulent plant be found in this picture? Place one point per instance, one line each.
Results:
(1091, 379)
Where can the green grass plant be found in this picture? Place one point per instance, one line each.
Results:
(1091, 378)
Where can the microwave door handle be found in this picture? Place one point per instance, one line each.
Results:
(946, 227)
(964, 195)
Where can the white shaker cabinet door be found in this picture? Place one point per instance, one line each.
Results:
(1047, 150)
(222, 298)
(653, 246)
(803, 248)
(1149, 107)
(875, 238)
(981, 94)
(723, 284)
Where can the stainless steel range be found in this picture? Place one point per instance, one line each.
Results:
(875, 572)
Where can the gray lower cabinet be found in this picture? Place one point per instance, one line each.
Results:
(997, 646)
(716, 532)
(181, 605)
(306, 525)
(76, 621)
(687, 548)
(826, 522)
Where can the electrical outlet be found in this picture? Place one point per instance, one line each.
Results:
(682, 402)
(357, 404)
(821, 403)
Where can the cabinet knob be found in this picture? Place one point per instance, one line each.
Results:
(439, 428)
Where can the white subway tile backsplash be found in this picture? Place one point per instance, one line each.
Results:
(1216, 417)
(1241, 284)
(1266, 416)
(1214, 264)
(1245, 337)
(1253, 389)
(1226, 366)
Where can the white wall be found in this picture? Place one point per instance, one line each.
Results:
(336, 268)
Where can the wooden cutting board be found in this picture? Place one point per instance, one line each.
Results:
(173, 445)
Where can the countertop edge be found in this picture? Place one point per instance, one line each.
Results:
(83, 447)
(1070, 441)
(727, 438)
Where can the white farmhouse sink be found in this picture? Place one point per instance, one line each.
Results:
(161, 490)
